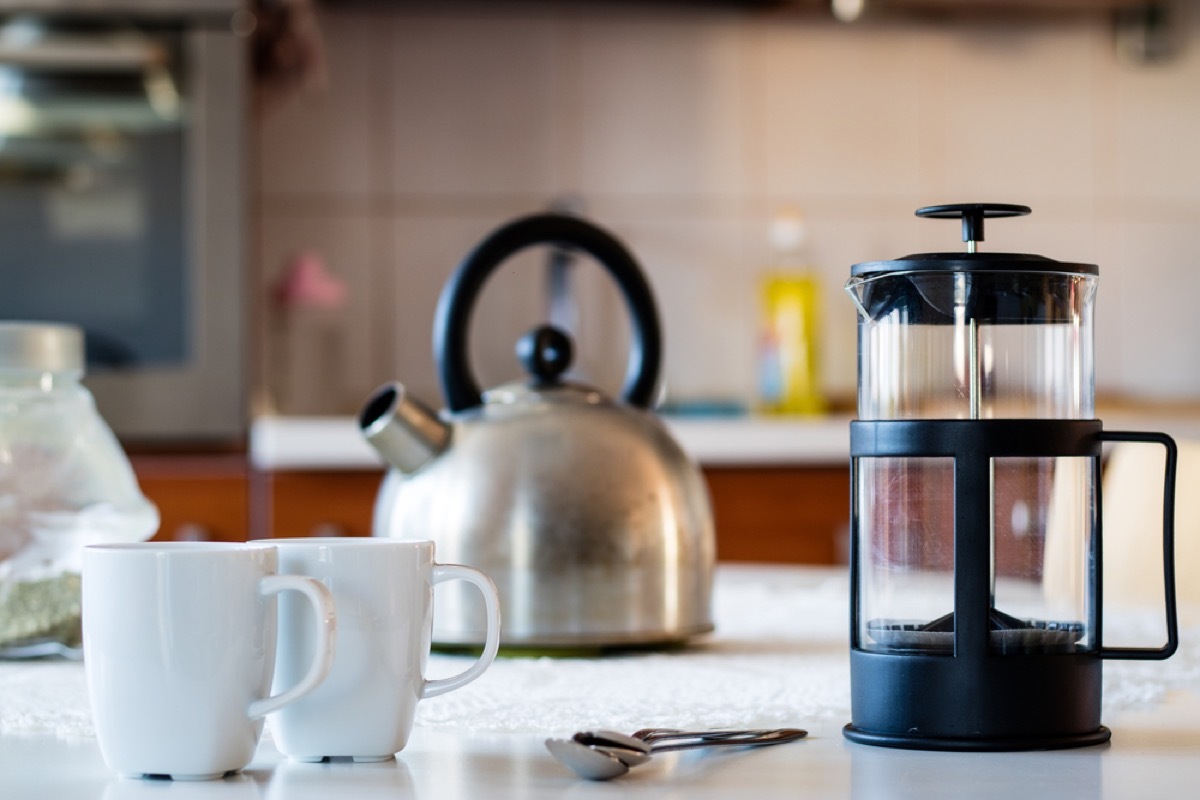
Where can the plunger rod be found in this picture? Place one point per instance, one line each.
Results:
(975, 398)
(976, 381)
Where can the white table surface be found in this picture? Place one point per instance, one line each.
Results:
(334, 442)
(288, 443)
(769, 663)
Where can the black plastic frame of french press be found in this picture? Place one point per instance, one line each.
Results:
(976, 699)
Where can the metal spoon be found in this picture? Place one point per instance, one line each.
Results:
(587, 762)
(635, 749)
(630, 750)
(601, 755)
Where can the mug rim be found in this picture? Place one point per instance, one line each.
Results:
(344, 541)
(178, 547)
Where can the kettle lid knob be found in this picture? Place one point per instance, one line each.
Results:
(546, 353)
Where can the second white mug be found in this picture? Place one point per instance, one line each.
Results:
(383, 589)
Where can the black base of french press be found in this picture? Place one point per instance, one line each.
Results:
(990, 701)
(976, 744)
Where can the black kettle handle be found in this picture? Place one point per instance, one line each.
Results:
(1168, 543)
(452, 323)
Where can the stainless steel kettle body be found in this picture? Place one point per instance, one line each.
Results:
(594, 524)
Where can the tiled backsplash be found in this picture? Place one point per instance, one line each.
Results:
(684, 132)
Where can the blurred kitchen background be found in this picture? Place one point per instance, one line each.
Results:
(256, 212)
(686, 128)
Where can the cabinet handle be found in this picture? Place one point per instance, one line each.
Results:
(328, 529)
(192, 532)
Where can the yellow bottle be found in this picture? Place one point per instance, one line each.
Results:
(789, 347)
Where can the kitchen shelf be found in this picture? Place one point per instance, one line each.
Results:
(331, 443)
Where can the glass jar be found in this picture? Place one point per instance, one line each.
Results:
(64, 483)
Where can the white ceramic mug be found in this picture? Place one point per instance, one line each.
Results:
(179, 645)
(384, 593)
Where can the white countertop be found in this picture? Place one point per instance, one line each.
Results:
(297, 443)
(778, 657)
(282, 443)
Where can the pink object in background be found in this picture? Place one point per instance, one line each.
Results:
(306, 282)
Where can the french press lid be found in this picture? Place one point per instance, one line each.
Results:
(972, 215)
(938, 288)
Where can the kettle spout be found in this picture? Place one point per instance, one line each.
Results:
(402, 429)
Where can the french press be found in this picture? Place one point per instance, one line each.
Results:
(976, 550)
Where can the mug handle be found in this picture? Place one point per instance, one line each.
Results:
(491, 644)
(322, 602)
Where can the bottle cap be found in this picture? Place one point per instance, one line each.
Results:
(41, 347)
(787, 232)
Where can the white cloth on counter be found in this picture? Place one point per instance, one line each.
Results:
(779, 657)
(45, 697)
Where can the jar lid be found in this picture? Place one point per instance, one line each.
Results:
(973, 215)
(41, 347)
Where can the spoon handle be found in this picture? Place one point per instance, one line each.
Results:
(756, 738)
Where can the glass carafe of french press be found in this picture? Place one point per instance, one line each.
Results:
(976, 457)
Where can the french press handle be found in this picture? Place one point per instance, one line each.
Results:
(451, 325)
(1167, 650)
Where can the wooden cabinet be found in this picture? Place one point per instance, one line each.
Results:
(319, 503)
(782, 514)
(767, 514)
(199, 497)
(796, 515)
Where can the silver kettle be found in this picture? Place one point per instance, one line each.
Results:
(594, 524)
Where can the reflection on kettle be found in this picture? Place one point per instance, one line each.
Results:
(594, 524)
